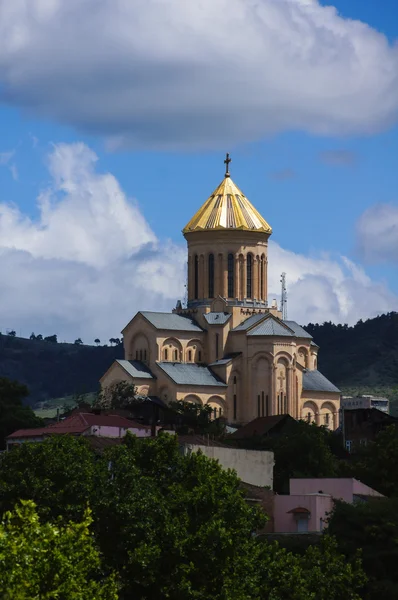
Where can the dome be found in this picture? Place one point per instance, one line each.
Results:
(227, 208)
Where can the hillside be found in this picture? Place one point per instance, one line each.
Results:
(53, 370)
(359, 359)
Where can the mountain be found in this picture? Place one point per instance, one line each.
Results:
(53, 370)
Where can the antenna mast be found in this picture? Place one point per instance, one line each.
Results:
(284, 297)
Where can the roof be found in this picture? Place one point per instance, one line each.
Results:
(163, 320)
(314, 381)
(261, 426)
(250, 321)
(271, 326)
(298, 330)
(190, 374)
(77, 424)
(217, 318)
(226, 360)
(227, 208)
(135, 368)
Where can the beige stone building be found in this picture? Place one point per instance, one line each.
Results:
(227, 347)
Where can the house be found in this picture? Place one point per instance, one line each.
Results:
(86, 424)
(365, 401)
(306, 508)
(362, 425)
(264, 426)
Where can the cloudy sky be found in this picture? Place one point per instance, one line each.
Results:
(115, 118)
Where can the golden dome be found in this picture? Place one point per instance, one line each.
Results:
(227, 208)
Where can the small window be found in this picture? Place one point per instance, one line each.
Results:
(327, 419)
(309, 417)
(189, 355)
(136, 355)
(348, 445)
(140, 354)
(235, 380)
(145, 355)
(175, 355)
(166, 354)
(200, 356)
(220, 411)
(258, 406)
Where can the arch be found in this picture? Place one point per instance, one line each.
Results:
(262, 388)
(193, 399)
(309, 412)
(262, 354)
(218, 406)
(249, 275)
(282, 354)
(139, 348)
(194, 352)
(303, 356)
(143, 390)
(171, 350)
(211, 275)
(262, 277)
(231, 275)
(327, 413)
(315, 361)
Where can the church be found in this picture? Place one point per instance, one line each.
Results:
(228, 347)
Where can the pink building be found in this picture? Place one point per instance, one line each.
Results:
(110, 426)
(310, 501)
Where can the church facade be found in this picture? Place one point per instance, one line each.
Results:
(228, 347)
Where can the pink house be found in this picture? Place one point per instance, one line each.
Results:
(310, 501)
(110, 426)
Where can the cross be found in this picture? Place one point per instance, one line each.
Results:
(226, 162)
(281, 379)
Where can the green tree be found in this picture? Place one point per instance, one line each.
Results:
(13, 414)
(373, 527)
(12, 333)
(49, 561)
(78, 342)
(97, 341)
(377, 463)
(51, 338)
(121, 394)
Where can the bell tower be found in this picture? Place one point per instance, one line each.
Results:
(227, 249)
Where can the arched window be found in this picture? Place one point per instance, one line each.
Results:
(200, 356)
(166, 354)
(189, 355)
(262, 278)
(196, 276)
(249, 268)
(230, 275)
(176, 355)
(211, 275)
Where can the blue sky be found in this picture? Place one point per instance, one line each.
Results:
(318, 168)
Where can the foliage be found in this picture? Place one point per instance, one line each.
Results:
(377, 463)
(97, 341)
(48, 561)
(13, 414)
(373, 527)
(172, 526)
(78, 342)
(12, 333)
(51, 338)
(120, 394)
(190, 417)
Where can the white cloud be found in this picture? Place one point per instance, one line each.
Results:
(90, 261)
(174, 73)
(377, 234)
(5, 158)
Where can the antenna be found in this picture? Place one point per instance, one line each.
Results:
(284, 297)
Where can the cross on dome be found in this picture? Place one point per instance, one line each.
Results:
(226, 162)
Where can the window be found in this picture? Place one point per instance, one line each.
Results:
(309, 417)
(262, 278)
(166, 354)
(145, 355)
(196, 276)
(249, 269)
(258, 406)
(211, 275)
(200, 356)
(348, 445)
(262, 404)
(136, 355)
(284, 405)
(327, 419)
(267, 411)
(217, 340)
(220, 411)
(235, 380)
(140, 354)
(175, 355)
(215, 412)
(235, 406)
(230, 275)
(189, 355)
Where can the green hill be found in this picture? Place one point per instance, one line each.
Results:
(53, 370)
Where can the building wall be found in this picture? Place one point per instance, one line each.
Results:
(318, 505)
(118, 432)
(339, 488)
(251, 466)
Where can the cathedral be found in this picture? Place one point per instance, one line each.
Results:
(228, 347)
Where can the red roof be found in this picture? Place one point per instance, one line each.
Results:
(78, 424)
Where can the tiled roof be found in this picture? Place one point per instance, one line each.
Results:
(298, 330)
(173, 321)
(226, 360)
(260, 426)
(314, 381)
(250, 321)
(190, 374)
(227, 208)
(271, 326)
(77, 424)
(135, 368)
(217, 318)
